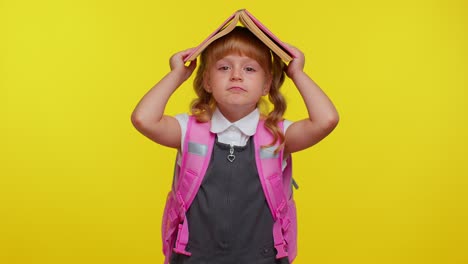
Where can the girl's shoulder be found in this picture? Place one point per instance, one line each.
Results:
(286, 124)
(182, 118)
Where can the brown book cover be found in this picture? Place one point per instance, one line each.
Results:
(254, 25)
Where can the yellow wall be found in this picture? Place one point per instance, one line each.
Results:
(78, 184)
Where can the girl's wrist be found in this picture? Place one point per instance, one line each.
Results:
(296, 74)
(178, 76)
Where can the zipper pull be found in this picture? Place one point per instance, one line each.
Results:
(231, 157)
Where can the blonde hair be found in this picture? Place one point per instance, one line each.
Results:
(241, 41)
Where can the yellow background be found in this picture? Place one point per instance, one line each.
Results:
(78, 184)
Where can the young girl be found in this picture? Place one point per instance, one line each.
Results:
(229, 220)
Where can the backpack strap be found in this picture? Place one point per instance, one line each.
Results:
(270, 171)
(196, 155)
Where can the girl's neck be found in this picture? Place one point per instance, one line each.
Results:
(233, 115)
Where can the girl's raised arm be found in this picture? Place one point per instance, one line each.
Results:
(148, 117)
(323, 116)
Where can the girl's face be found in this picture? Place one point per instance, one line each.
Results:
(237, 82)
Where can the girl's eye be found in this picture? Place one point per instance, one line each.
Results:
(224, 68)
(249, 69)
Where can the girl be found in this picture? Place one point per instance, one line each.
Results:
(229, 219)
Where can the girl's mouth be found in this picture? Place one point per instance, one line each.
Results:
(236, 89)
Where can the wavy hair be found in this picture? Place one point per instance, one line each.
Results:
(241, 41)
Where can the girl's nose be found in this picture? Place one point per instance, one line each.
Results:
(236, 75)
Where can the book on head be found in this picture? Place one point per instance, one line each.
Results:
(255, 26)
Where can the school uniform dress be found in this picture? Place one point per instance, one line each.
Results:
(229, 220)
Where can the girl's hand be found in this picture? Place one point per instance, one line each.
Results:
(177, 64)
(297, 64)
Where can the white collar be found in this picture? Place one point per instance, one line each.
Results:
(247, 125)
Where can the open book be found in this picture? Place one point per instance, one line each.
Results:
(254, 25)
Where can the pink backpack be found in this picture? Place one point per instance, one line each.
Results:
(276, 183)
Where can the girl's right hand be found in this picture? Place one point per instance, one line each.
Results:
(178, 66)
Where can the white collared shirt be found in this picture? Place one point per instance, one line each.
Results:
(237, 133)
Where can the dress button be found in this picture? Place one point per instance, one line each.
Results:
(224, 244)
(267, 252)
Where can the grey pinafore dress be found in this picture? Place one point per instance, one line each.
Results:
(229, 220)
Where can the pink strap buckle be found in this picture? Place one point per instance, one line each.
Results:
(182, 240)
(282, 250)
(281, 245)
(280, 210)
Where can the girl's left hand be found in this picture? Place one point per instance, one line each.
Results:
(177, 64)
(297, 64)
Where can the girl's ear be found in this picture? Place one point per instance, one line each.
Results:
(206, 83)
